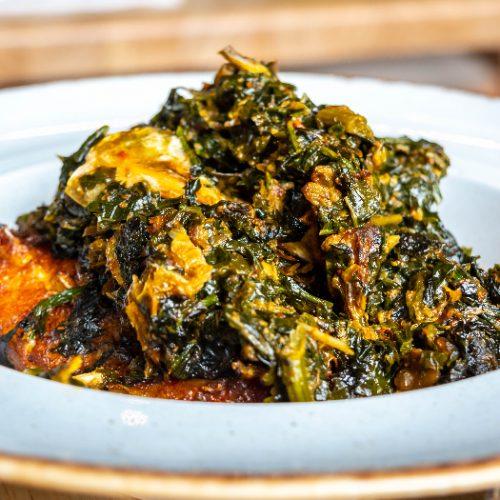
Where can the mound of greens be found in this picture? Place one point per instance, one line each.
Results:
(245, 231)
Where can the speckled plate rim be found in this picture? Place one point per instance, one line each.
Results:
(449, 477)
(403, 483)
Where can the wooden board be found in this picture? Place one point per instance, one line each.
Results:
(294, 32)
(20, 493)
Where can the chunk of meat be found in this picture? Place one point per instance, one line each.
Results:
(38, 353)
(27, 275)
(146, 155)
(351, 267)
(222, 390)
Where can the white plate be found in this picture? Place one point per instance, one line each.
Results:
(346, 447)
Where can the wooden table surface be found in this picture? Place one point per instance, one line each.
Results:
(8, 492)
(294, 32)
(20, 493)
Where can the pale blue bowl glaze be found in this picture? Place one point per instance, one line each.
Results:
(446, 424)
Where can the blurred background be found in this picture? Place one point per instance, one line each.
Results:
(454, 43)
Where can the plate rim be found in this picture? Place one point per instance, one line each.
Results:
(287, 73)
(67, 476)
